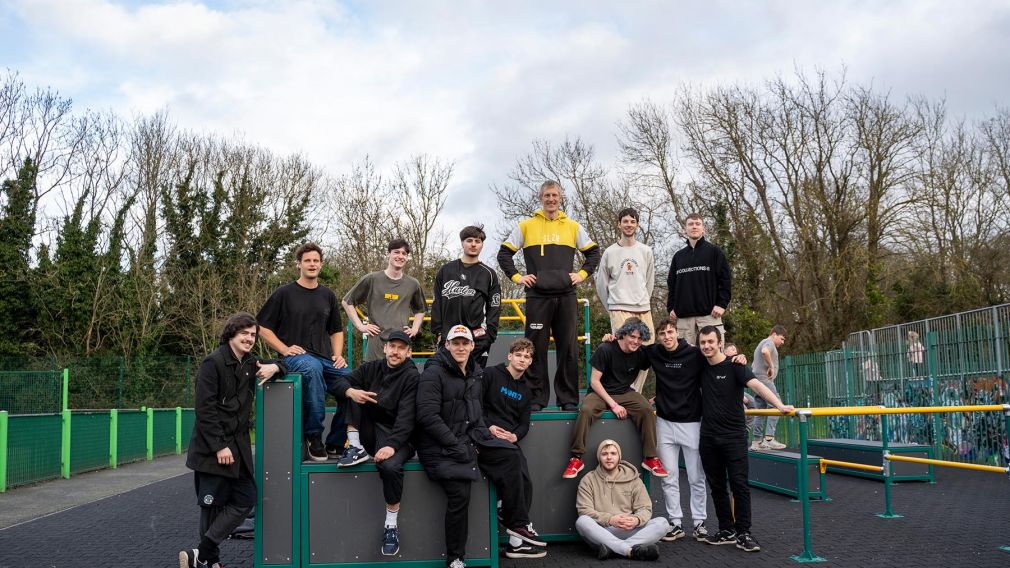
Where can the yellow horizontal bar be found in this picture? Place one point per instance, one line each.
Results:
(825, 463)
(876, 410)
(959, 465)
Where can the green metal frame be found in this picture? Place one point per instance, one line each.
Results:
(820, 494)
(884, 445)
(296, 463)
(3, 451)
(808, 554)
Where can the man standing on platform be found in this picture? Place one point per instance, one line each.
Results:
(549, 240)
(723, 445)
(468, 292)
(626, 278)
(699, 283)
(301, 322)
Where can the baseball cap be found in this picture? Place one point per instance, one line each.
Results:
(397, 335)
(459, 331)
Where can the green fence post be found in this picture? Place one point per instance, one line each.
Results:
(587, 347)
(113, 438)
(189, 382)
(119, 385)
(64, 405)
(3, 451)
(804, 492)
(885, 434)
(65, 444)
(150, 434)
(932, 371)
(350, 345)
(178, 429)
(1006, 413)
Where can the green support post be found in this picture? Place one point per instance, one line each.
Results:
(1006, 413)
(350, 345)
(178, 429)
(113, 438)
(64, 404)
(804, 493)
(3, 451)
(65, 444)
(150, 434)
(885, 434)
(587, 348)
(932, 371)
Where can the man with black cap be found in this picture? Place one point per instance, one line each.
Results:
(381, 399)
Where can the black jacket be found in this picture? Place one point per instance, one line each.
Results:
(396, 395)
(699, 280)
(506, 401)
(225, 388)
(468, 295)
(449, 418)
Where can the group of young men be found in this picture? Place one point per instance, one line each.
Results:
(463, 419)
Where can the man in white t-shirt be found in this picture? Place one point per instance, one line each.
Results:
(625, 280)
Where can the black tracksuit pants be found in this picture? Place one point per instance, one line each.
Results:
(557, 316)
(725, 458)
(456, 517)
(507, 469)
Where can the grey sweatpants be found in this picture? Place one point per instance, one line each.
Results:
(762, 427)
(620, 541)
(672, 438)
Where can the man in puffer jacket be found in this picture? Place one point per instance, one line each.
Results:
(453, 441)
(615, 510)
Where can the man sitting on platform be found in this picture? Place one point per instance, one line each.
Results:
(615, 366)
(381, 399)
(615, 510)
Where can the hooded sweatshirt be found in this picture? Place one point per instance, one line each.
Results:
(549, 247)
(699, 279)
(601, 496)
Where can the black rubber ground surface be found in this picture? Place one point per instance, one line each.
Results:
(962, 520)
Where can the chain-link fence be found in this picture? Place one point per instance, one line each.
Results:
(31, 392)
(958, 359)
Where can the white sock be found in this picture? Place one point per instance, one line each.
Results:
(515, 541)
(353, 438)
(391, 518)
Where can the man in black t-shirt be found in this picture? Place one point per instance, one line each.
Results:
(723, 445)
(615, 366)
(301, 322)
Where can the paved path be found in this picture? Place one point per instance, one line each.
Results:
(959, 521)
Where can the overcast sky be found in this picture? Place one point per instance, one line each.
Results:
(476, 82)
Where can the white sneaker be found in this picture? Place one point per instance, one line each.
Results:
(757, 446)
(773, 444)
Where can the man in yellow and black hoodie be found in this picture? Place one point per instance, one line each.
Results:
(549, 240)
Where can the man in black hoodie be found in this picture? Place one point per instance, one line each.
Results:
(220, 452)
(507, 402)
(453, 441)
(384, 393)
(699, 283)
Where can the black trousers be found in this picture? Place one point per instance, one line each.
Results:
(374, 436)
(723, 459)
(507, 469)
(557, 316)
(232, 501)
(456, 517)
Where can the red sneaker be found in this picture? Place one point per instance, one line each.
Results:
(575, 465)
(655, 467)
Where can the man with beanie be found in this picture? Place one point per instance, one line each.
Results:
(615, 509)
(381, 399)
(220, 451)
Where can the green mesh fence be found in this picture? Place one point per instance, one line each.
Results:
(131, 436)
(33, 448)
(89, 441)
(164, 431)
(188, 420)
(31, 392)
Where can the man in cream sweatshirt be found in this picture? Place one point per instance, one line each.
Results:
(615, 510)
(625, 280)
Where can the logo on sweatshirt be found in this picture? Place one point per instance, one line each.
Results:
(630, 266)
(455, 289)
(536, 326)
(495, 300)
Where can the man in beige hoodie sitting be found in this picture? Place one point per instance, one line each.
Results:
(615, 510)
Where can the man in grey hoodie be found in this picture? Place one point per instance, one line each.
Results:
(615, 510)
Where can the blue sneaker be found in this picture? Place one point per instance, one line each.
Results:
(390, 542)
(352, 456)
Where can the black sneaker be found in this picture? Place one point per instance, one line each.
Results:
(528, 535)
(747, 543)
(570, 407)
(700, 532)
(525, 550)
(317, 451)
(722, 537)
(602, 552)
(645, 552)
(352, 456)
(190, 559)
(675, 532)
(536, 407)
(390, 541)
(334, 452)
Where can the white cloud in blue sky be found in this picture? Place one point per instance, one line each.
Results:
(476, 82)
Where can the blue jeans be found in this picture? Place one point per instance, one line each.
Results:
(319, 376)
